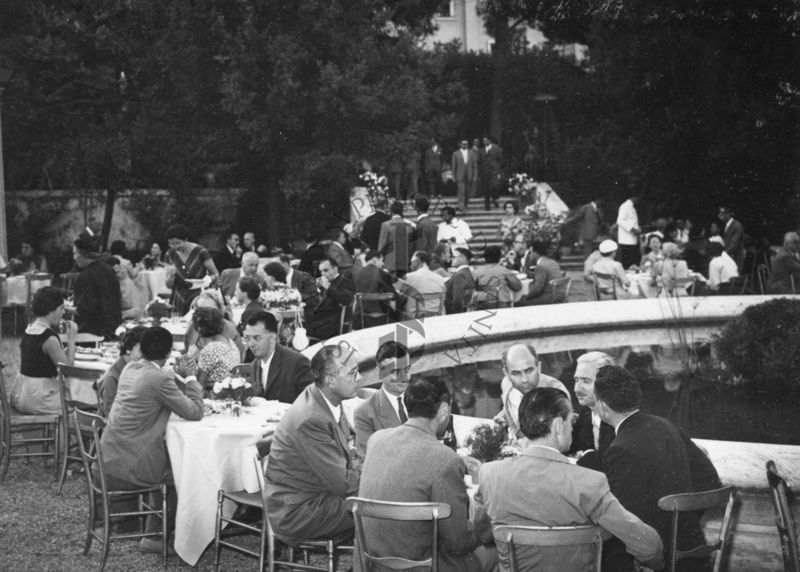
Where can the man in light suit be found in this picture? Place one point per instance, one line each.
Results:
(427, 229)
(465, 172)
(422, 280)
(459, 288)
(311, 470)
(384, 408)
(337, 291)
(336, 251)
(565, 494)
(590, 216)
(409, 464)
(230, 277)
(733, 233)
(648, 459)
(542, 270)
(303, 282)
(277, 372)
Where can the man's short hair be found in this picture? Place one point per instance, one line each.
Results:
(423, 256)
(530, 348)
(276, 271)
(87, 245)
(130, 338)
(250, 287)
(249, 255)
(266, 318)
(423, 396)
(156, 343)
(540, 246)
(593, 361)
(47, 299)
(538, 409)
(324, 363)
(389, 350)
(790, 237)
(329, 260)
(285, 259)
(616, 387)
(449, 210)
(421, 203)
(492, 254)
(229, 234)
(466, 252)
(397, 208)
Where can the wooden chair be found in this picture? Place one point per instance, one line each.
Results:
(426, 305)
(726, 496)
(608, 279)
(509, 537)
(378, 299)
(345, 319)
(402, 511)
(762, 272)
(485, 297)
(331, 547)
(77, 390)
(783, 518)
(99, 493)
(559, 290)
(14, 430)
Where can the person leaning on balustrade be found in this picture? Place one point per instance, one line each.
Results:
(541, 487)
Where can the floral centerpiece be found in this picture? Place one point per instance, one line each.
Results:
(489, 443)
(236, 388)
(523, 187)
(280, 297)
(377, 185)
(158, 309)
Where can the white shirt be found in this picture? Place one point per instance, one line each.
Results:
(393, 401)
(596, 421)
(457, 229)
(265, 363)
(289, 277)
(720, 270)
(465, 154)
(511, 397)
(337, 411)
(627, 221)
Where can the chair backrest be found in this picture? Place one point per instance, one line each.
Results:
(77, 386)
(678, 286)
(783, 518)
(5, 413)
(426, 305)
(703, 500)
(485, 296)
(242, 370)
(581, 535)
(404, 511)
(559, 289)
(82, 421)
(609, 280)
(67, 282)
(377, 298)
(762, 271)
(345, 318)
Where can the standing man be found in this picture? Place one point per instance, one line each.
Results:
(98, 300)
(459, 288)
(492, 170)
(433, 168)
(452, 230)
(301, 281)
(311, 470)
(649, 458)
(591, 219)
(396, 241)
(465, 172)
(337, 291)
(384, 408)
(591, 436)
(371, 230)
(628, 230)
(230, 254)
(409, 464)
(230, 277)
(277, 373)
(733, 233)
(475, 189)
(427, 229)
(542, 269)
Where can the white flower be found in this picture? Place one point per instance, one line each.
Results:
(237, 382)
(218, 387)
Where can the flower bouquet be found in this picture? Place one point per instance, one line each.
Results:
(234, 388)
(158, 309)
(523, 187)
(377, 186)
(280, 298)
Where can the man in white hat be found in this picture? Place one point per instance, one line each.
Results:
(607, 265)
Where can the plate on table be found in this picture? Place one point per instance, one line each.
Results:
(198, 282)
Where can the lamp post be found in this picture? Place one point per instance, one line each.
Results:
(5, 77)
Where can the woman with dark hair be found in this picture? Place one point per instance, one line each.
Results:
(129, 351)
(155, 259)
(35, 390)
(189, 261)
(511, 224)
(28, 260)
(218, 354)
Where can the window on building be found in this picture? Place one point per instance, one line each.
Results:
(447, 9)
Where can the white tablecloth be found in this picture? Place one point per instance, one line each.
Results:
(641, 285)
(15, 290)
(208, 455)
(157, 281)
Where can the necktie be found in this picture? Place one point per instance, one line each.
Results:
(400, 410)
(343, 424)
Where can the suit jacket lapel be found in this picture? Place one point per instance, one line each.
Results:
(337, 429)
(386, 412)
(274, 369)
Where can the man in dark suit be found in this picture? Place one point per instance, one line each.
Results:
(648, 459)
(542, 270)
(427, 229)
(459, 288)
(409, 464)
(491, 171)
(311, 470)
(396, 241)
(277, 372)
(373, 279)
(432, 165)
(384, 408)
(337, 291)
(98, 302)
(465, 172)
(371, 229)
(337, 251)
(591, 435)
(303, 282)
(590, 217)
(231, 276)
(229, 255)
(733, 233)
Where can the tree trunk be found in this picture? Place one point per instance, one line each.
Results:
(500, 54)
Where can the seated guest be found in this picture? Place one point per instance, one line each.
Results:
(277, 372)
(249, 244)
(694, 251)
(276, 277)
(542, 269)
(384, 408)
(302, 282)
(217, 354)
(230, 277)
(230, 254)
(422, 280)
(590, 436)
(785, 267)
(589, 263)
(134, 450)
(523, 372)
(459, 288)
(649, 458)
(409, 464)
(211, 299)
(441, 257)
(28, 261)
(565, 494)
(373, 279)
(247, 293)
(495, 281)
(97, 295)
(673, 270)
(36, 390)
(338, 252)
(155, 259)
(337, 291)
(607, 265)
(653, 251)
(721, 268)
(129, 350)
(311, 470)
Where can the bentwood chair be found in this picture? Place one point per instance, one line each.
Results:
(783, 518)
(607, 279)
(101, 496)
(33, 283)
(372, 307)
(559, 290)
(397, 511)
(425, 305)
(700, 501)
(507, 538)
(76, 385)
(16, 429)
(330, 546)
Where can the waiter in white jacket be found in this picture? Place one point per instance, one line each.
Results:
(628, 232)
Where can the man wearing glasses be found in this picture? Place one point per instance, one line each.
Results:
(384, 408)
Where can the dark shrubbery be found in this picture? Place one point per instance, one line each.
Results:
(763, 345)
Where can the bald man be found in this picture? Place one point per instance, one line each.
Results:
(230, 277)
(590, 436)
(523, 372)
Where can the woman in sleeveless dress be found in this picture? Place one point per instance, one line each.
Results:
(188, 261)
